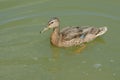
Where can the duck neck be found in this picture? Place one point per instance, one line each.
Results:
(55, 36)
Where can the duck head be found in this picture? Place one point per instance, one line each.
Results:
(53, 23)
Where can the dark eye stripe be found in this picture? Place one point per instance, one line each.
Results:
(50, 23)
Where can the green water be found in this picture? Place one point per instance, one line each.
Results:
(25, 54)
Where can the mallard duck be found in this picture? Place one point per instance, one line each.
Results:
(72, 36)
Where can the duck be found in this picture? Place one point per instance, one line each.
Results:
(72, 36)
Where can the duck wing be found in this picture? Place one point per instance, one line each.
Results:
(82, 32)
(73, 32)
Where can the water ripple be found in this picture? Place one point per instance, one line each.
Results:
(24, 6)
(58, 13)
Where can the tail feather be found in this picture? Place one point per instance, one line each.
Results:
(102, 30)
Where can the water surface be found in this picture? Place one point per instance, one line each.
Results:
(25, 54)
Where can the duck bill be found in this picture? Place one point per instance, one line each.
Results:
(45, 29)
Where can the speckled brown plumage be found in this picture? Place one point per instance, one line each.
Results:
(72, 36)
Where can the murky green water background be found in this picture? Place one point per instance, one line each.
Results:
(27, 55)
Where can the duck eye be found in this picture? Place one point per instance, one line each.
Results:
(51, 22)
